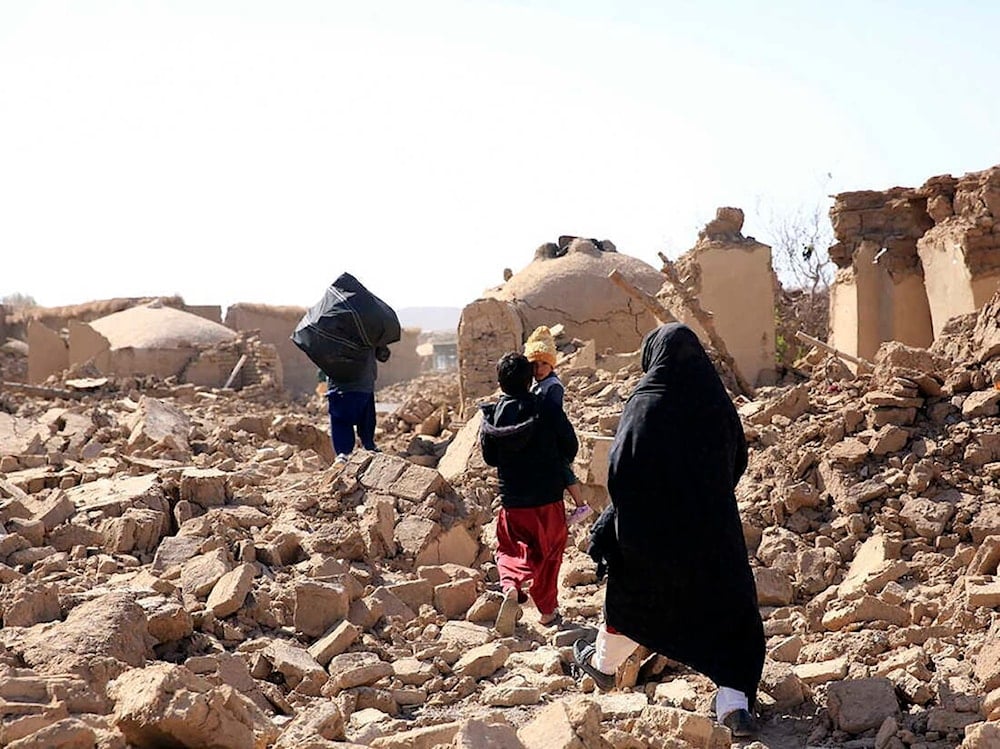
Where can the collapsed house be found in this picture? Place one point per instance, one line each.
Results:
(167, 338)
(726, 282)
(910, 259)
(565, 283)
(152, 339)
(597, 294)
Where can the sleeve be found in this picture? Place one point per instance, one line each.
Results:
(555, 394)
(487, 445)
(488, 449)
(565, 436)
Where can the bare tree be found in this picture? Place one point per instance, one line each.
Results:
(18, 301)
(800, 242)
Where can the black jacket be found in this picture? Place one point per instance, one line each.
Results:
(530, 443)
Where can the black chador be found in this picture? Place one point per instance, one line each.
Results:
(679, 580)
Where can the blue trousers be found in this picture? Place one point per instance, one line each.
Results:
(347, 411)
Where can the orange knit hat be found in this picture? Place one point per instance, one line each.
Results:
(541, 346)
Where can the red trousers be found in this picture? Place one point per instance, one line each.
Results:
(530, 546)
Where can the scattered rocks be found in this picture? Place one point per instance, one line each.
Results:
(184, 566)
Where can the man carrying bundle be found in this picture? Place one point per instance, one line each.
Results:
(346, 334)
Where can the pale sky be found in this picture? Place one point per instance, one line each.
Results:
(250, 151)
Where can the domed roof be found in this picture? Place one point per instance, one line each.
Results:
(574, 289)
(154, 326)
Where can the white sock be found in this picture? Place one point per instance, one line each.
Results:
(728, 700)
(612, 650)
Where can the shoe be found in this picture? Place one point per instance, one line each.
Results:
(341, 458)
(510, 612)
(740, 723)
(583, 652)
(547, 620)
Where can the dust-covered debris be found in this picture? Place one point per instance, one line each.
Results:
(184, 565)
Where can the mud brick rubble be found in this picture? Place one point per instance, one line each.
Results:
(183, 566)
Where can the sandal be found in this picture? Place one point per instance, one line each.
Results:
(510, 612)
(583, 652)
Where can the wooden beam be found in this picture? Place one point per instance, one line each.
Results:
(236, 371)
(651, 303)
(836, 352)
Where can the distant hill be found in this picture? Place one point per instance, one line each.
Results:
(429, 318)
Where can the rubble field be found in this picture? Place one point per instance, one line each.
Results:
(184, 566)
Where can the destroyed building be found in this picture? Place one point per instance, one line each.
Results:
(167, 338)
(910, 259)
(567, 284)
(596, 294)
(729, 279)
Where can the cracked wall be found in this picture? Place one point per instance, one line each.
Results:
(566, 283)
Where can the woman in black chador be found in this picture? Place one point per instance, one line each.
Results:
(671, 540)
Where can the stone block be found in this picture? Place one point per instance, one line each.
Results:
(455, 546)
(414, 593)
(382, 473)
(167, 704)
(482, 661)
(334, 642)
(318, 606)
(857, 705)
(365, 612)
(414, 534)
(159, 428)
(200, 574)
(676, 693)
(987, 665)
(230, 592)
(986, 558)
(413, 671)
(925, 517)
(428, 737)
(322, 721)
(349, 670)
(686, 728)
(822, 671)
(50, 511)
(454, 599)
(205, 487)
(416, 483)
(551, 729)
(983, 594)
(783, 685)
(510, 695)
(478, 734)
(137, 529)
(774, 588)
(981, 403)
(391, 606)
(296, 665)
(865, 609)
